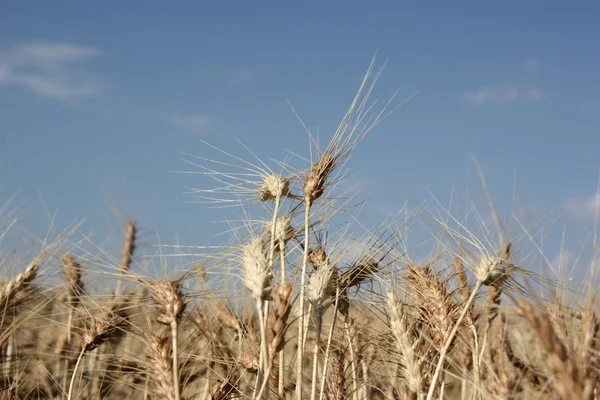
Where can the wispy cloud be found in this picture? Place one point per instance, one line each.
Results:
(50, 69)
(507, 93)
(495, 94)
(192, 123)
(501, 94)
(585, 209)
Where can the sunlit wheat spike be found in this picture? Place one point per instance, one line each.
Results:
(405, 343)
(278, 323)
(128, 247)
(321, 285)
(284, 232)
(72, 276)
(20, 282)
(257, 275)
(170, 300)
(239, 181)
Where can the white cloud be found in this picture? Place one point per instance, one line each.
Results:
(501, 94)
(50, 69)
(583, 208)
(52, 53)
(493, 94)
(194, 123)
(531, 66)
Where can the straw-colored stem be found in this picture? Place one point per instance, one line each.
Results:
(280, 386)
(274, 231)
(329, 340)
(282, 262)
(94, 358)
(263, 363)
(72, 384)
(365, 376)
(319, 325)
(463, 382)
(352, 360)
(68, 346)
(475, 358)
(146, 387)
(306, 323)
(266, 307)
(263, 387)
(263, 306)
(174, 331)
(301, 299)
(10, 355)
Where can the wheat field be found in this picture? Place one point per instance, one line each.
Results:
(296, 306)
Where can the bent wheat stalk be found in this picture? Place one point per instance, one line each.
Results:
(490, 270)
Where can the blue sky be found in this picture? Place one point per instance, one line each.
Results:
(97, 99)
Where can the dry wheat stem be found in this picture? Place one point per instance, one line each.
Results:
(474, 355)
(329, 340)
(318, 293)
(274, 235)
(75, 370)
(348, 331)
(263, 364)
(280, 386)
(300, 336)
(317, 344)
(491, 270)
(261, 393)
(175, 359)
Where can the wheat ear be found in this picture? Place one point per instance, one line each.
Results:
(405, 343)
(278, 328)
(98, 332)
(171, 305)
(257, 277)
(127, 253)
(20, 282)
(319, 290)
